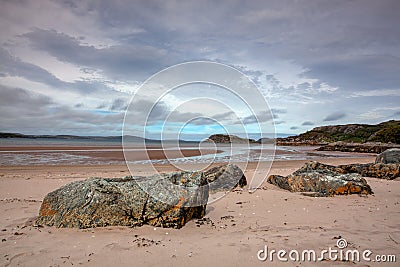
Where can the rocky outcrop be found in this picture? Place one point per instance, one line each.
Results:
(122, 201)
(389, 156)
(224, 178)
(385, 132)
(369, 147)
(375, 170)
(228, 139)
(297, 142)
(266, 140)
(320, 181)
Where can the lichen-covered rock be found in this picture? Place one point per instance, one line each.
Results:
(170, 200)
(224, 178)
(322, 184)
(322, 180)
(376, 170)
(389, 156)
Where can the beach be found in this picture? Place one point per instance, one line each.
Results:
(234, 230)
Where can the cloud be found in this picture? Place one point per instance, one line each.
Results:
(129, 62)
(307, 123)
(396, 114)
(374, 93)
(294, 128)
(311, 57)
(362, 72)
(29, 112)
(119, 104)
(101, 106)
(278, 110)
(335, 116)
(224, 116)
(13, 66)
(16, 103)
(260, 118)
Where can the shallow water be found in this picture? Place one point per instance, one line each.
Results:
(19, 152)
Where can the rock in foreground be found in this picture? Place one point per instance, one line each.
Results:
(122, 201)
(321, 182)
(224, 178)
(389, 156)
(376, 170)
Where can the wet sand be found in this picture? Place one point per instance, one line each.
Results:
(93, 154)
(237, 226)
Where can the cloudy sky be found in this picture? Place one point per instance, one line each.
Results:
(71, 67)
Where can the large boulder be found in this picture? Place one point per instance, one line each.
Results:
(375, 170)
(170, 200)
(320, 181)
(389, 156)
(224, 178)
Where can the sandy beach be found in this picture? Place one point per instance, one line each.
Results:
(235, 227)
(89, 155)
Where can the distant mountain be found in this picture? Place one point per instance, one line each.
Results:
(129, 138)
(13, 135)
(61, 136)
(385, 132)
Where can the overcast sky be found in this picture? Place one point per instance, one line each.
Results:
(71, 67)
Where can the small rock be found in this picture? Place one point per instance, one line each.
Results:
(225, 177)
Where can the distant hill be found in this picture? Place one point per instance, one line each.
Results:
(229, 139)
(12, 135)
(384, 132)
(129, 138)
(64, 137)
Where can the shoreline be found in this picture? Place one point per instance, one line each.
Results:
(116, 155)
(93, 155)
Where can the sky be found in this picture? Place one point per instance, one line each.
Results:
(72, 67)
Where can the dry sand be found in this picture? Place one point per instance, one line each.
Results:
(238, 225)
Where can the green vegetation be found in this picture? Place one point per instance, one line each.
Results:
(384, 132)
(386, 135)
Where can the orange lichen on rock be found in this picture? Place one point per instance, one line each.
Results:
(46, 210)
(322, 180)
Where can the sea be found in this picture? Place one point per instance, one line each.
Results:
(54, 151)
